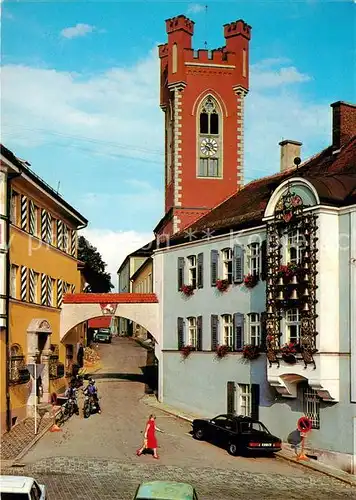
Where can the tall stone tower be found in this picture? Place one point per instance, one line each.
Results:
(202, 95)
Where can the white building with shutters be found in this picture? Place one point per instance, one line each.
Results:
(38, 265)
(208, 319)
(272, 267)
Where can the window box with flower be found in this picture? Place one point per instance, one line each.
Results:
(222, 351)
(222, 285)
(250, 280)
(186, 350)
(289, 352)
(251, 351)
(187, 290)
(287, 272)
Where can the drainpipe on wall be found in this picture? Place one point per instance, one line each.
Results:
(9, 178)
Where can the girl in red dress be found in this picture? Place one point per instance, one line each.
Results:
(150, 441)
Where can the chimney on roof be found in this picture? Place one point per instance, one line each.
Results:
(289, 151)
(344, 123)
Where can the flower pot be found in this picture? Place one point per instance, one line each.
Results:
(289, 358)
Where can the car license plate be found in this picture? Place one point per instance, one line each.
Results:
(266, 444)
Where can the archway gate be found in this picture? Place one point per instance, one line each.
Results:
(141, 308)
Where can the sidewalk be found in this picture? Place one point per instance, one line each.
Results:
(285, 454)
(15, 443)
(22, 437)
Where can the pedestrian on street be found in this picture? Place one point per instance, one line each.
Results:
(150, 441)
(80, 355)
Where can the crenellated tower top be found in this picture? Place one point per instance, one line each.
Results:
(180, 23)
(202, 95)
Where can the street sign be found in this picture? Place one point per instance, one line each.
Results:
(304, 424)
(39, 369)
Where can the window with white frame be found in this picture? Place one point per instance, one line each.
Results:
(53, 292)
(227, 333)
(192, 331)
(209, 139)
(36, 280)
(13, 281)
(293, 325)
(244, 400)
(294, 247)
(311, 404)
(36, 215)
(227, 264)
(254, 259)
(254, 329)
(192, 270)
(14, 207)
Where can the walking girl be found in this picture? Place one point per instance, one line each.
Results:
(150, 440)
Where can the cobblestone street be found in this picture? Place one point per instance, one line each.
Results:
(95, 458)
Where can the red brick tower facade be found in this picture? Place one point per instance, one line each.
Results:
(202, 96)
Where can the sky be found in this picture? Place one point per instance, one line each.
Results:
(80, 96)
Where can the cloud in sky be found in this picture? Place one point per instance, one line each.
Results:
(195, 8)
(114, 246)
(116, 112)
(79, 29)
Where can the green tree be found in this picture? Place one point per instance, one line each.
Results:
(94, 269)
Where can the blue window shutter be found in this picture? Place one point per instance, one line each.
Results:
(200, 270)
(238, 331)
(180, 332)
(231, 388)
(180, 272)
(214, 260)
(255, 401)
(238, 264)
(214, 331)
(263, 323)
(199, 333)
(263, 251)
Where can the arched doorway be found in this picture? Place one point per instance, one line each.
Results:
(39, 351)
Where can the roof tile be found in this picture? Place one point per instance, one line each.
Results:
(110, 298)
(333, 173)
(102, 322)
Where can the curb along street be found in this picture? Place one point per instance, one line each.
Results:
(282, 455)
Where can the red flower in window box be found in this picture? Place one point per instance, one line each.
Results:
(187, 290)
(287, 272)
(250, 280)
(186, 350)
(288, 352)
(222, 351)
(251, 351)
(222, 285)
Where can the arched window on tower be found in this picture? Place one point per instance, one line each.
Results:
(174, 58)
(209, 138)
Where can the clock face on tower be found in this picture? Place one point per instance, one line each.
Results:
(209, 146)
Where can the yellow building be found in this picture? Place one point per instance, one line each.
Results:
(38, 238)
(142, 282)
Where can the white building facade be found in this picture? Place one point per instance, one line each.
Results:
(270, 275)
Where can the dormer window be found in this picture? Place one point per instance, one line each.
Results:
(209, 139)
